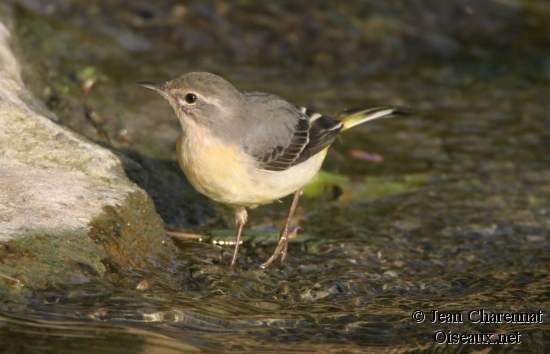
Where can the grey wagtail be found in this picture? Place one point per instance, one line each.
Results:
(245, 149)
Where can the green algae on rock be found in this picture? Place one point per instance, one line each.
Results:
(371, 187)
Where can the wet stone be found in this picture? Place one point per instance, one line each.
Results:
(58, 190)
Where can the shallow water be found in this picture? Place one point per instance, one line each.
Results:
(456, 217)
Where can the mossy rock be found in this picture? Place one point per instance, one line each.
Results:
(68, 213)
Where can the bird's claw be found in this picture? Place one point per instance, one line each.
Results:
(280, 251)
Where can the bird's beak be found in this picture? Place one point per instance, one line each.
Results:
(153, 86)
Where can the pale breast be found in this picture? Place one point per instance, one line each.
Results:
(228, 175)
(215, 170)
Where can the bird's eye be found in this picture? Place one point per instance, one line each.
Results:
(190, 98)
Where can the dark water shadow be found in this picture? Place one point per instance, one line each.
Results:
(179, 205)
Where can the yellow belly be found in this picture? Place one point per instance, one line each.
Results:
(227, 175)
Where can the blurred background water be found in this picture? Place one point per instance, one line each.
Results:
(448, 209)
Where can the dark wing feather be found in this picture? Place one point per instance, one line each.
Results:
(322, 133)
(312, 133)
(279, 158)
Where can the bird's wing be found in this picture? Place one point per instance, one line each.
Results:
(281, 135)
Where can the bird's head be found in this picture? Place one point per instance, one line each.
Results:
(200, 97)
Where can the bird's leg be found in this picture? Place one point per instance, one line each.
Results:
(282, 246)
(241, 216)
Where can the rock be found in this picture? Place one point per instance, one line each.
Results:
(67, 209)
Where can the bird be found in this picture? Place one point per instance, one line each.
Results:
(246, 149)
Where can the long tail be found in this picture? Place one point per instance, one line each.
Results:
(354, 117)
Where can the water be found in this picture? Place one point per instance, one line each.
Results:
(456, 217)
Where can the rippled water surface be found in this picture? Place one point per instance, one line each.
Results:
(455, 217)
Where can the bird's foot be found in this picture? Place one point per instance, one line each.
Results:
(280, 251)
(282, 247)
